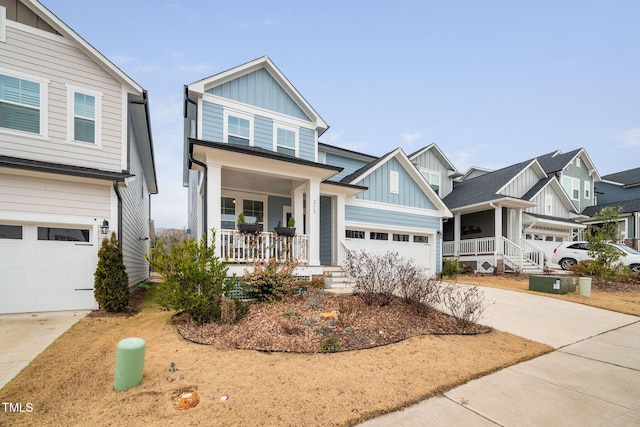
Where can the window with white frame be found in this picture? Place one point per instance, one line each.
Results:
(23, 101)
(587, 189)
(394, 182)
(84, 118)
(578, 162)
(253, 210)
(572, 187)
(286, 141)
(238, 129)
(433, 178)
(228, 213)
(548, 204)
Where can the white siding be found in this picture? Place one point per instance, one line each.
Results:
(135, 219)
(522, 183)
(62, 63)
(428, 160)
(558, 209)
(28, 194)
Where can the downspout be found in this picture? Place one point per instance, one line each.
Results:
(205, 184)
(119, 196)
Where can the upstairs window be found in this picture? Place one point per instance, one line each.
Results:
(238, 130)
(85, 110)
(21, 103)
(572, 187)
(286, 141)
(548, 205)
(587, 190)
(433, 178)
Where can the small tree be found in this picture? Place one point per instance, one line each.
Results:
(598, 236)
(111, 285)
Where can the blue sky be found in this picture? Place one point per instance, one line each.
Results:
(491, 82)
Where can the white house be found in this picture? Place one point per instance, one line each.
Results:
(76, 162)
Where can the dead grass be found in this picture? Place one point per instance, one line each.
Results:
(623, 302)
(71, 383)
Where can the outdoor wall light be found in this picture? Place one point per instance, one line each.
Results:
(104, 228)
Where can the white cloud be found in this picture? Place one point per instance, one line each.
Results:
(411, 138)
(629, 137)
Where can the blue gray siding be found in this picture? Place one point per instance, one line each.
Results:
(274, 212)
(614, 193)
(263, 132)
(429, 160)
(261, 90)
(307, 144)
(392, 218)
(410, 193)
(349, 165)
(582, 173)
(326, 230)
(212, 122)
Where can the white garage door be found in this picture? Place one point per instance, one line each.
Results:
(46, 268)
(408, 245)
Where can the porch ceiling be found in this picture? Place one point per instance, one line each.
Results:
(503, 202)
(252, 182)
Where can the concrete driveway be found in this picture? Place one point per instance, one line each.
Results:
(24, 336)
(592, 379)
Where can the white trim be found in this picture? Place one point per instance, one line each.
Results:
(285, 211)
(241, 115)
(296, 145)
(239, 196)
(578, 162)
(3, 24)
(392, 208)
(383, 228)
(71, 91)
(431, 172)
(394, 182)
(29, 218)
(124, 133)
(44, 103)
(548, 201)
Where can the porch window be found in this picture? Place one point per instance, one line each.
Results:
(433, 178)
(228, 208)
(286, 141)
(238, 130)
(253, 210)
(20, 104)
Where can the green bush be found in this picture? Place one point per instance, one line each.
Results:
(111, 284)
(195, 282)
(270, 280)
(451, 267)
(331, 345)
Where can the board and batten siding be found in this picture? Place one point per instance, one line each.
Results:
(522, 183)
(135, 220)
(429, 160)
(36, 195)
(378, 183)
(62, 63)
(558, 209)
(261, 90)
(348, 164)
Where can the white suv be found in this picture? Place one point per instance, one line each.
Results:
(570, 253)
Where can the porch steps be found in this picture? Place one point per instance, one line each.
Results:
(336, 279)
(528, 267)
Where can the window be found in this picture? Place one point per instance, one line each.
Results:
(286, 141)
(378, 236)
(354, 234)
(394, 182)
(63, 234)
(22, 103)
(548, 205)
(11, 232)
(420, 239)
(433, 178)
(579, 246)
(400, 237)
(572, 187)
(578, 162)
(228, 209)
(238, 130)
(85, 111)
(253, 210)
(587, 190)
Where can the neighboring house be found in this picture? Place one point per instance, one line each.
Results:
(514, 216)
(621, 189)
(76, 157)
(251, 146)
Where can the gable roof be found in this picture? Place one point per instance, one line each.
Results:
(266, 63)
(553, 182)
(556, 161)
(438, 152)
(628, 178)
(473, 170)
(628, 206)
(409, 167)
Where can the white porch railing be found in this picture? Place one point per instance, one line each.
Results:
(512, 253)
(534, 254)
(243, 248)
(470, 247)
(515, 255)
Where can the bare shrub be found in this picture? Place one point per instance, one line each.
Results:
(422, 294)
(465, 303)
(291, 328)
(314, 298)
(347, 313)
(374, 275)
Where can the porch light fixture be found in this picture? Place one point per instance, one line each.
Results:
(104, 228)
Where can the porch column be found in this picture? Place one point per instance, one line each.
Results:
(297, 208)
(498, 228)
(313, 221)
(520, 234)
(457, 218)
(338, 234)
(214, 193)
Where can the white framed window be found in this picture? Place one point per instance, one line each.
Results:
(394, 182)
(578, 162)
(23, 103)
(84, 116)
(587, 189)
(433, 178)
(253, 206)
(420, 239)
(285, 140)
(548, 204)
(238, 128)
(572, 187)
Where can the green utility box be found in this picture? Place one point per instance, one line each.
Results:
(553, 284)
(129, 363)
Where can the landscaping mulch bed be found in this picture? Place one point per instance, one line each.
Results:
(323, 322)
(133, 308)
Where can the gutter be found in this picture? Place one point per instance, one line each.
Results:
(145, 103)
(119, 196)
(205, 184)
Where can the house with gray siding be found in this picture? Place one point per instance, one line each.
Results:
(76, 163)
(252, 147)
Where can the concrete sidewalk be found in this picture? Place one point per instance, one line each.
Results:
(24, 336)
(593, 378)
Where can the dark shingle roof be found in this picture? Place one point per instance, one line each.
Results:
(551, 163)
(628, 177)
(628, 206)
(534, 190)
(552, 218)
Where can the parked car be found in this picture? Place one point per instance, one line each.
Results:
(570, 253)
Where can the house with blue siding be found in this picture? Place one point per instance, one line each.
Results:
(252, 147)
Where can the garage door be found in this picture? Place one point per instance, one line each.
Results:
(46, 268)
(408, 245)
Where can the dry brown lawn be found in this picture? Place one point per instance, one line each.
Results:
(71, 383)
(623, 302)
